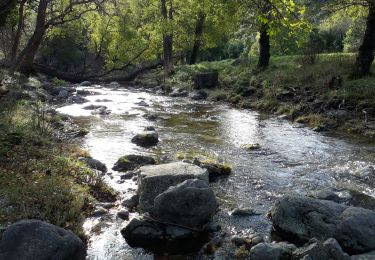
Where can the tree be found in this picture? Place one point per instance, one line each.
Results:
(365, 55)
(50, 13)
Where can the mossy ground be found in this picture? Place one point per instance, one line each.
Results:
(40, 176)
(302, 90)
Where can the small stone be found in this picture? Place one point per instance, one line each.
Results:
(123, 214)
(243, 212)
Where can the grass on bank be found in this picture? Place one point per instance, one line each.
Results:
(40, 177)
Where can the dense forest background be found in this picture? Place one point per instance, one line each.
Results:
(94, 38)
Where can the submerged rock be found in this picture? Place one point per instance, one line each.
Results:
(272, 251)
(243, 212)
(179, 92)
(93, 164)
(131, 162)
(85, 84)
(146, 139)
(199, 95)
(154, 180)
(302, 218)
(190, 203)
(35, 239)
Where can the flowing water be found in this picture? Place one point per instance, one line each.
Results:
(291, 158)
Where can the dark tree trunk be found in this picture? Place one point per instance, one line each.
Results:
(25, 60)
(198, 38)
(264, 48)
(264, 39)
(167, 39)
(366, 51)
(17, 37)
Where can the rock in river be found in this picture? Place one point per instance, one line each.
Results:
(159, 237)
(190, 203)
(272, 251)
(35, 239)
(146, 139)
(93, 164)
(302, 218)
(315, 249)
(156, 179)
(131, 162)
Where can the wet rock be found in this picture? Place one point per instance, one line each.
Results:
(85, 84)
(84, 92)
(94, 107)
(206, 80)
(243, 212)
(215, 169)
(99, 211)
(190, 203)
(123, 214)
(272, 251)
(366, 173)
(127, 176)
(251, 147)
(146, 139)
(131, 162)
(63, 94)
(199, 95)
(103, 100)
(159, 237)
(114, 84)
(154, 180)
(101, 111)
(149, 128)
(315, 249)
(179, 92)
(131, 202)
(76, 100)
(106, 205)
(151, 117)
(367, 256)
(35, 239)
(302, 218)
(142, 104)
(93, 164)
(347, 197)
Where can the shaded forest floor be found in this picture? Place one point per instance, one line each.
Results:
(40, 174)
(317, 91)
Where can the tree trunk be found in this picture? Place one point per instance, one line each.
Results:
(264, 48)
(167, 39)
(17, 37)
(25, 60)
(366, 51)
(197, 39)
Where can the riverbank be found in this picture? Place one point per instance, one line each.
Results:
(42, 173)
(318, 92)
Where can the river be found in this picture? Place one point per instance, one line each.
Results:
(292, 158)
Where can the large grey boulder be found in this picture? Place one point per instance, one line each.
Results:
(302, 218)
(131, 162)
(272, 251)
(146, 139)
(316, 250)
(154, 180)
(190, 203)
(38, 240)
